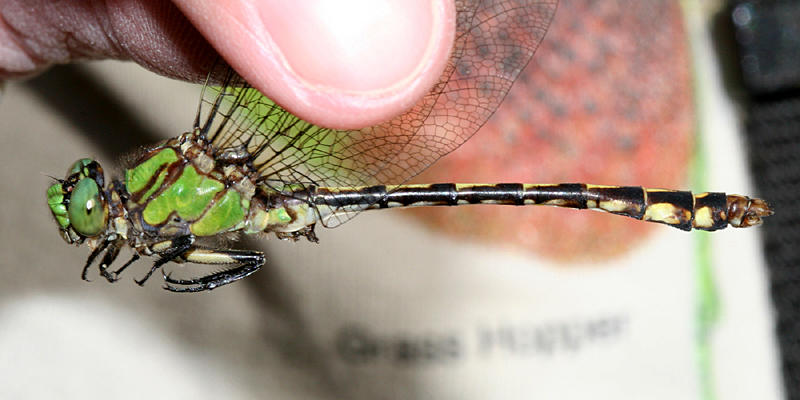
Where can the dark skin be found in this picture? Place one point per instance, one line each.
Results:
(42, 33)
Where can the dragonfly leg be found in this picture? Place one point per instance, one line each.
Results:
(96, 252)
(172, 249)
(109, 257)
(113, 276)
(248, 263)
(308, 232)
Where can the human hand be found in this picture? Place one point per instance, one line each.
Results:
(343, 64)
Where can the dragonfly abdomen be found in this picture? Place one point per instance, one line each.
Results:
(681, 209)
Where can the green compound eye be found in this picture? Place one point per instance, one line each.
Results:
(78, 166)
(86, 211)
(55, 200)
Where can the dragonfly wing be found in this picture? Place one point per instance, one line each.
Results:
(494, 41)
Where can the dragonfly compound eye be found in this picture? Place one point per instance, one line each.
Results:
(55, 200)
(79, 166)
(87, 211)
(86, 167)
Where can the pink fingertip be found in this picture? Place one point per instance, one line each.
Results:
(342, 64)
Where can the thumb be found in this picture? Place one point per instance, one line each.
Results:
(340, 64)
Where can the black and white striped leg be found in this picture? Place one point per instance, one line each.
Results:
(247, 262)
(168, 250)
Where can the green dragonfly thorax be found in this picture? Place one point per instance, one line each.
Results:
(79, 201)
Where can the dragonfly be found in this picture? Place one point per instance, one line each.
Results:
(248, 166)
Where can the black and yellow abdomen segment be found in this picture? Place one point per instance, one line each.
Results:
(683, 210)
(172, 190)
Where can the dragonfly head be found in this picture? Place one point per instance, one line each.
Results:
(79, 202)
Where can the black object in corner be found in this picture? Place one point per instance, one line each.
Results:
(768, 36)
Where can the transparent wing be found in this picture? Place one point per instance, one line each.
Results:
(495, 39)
